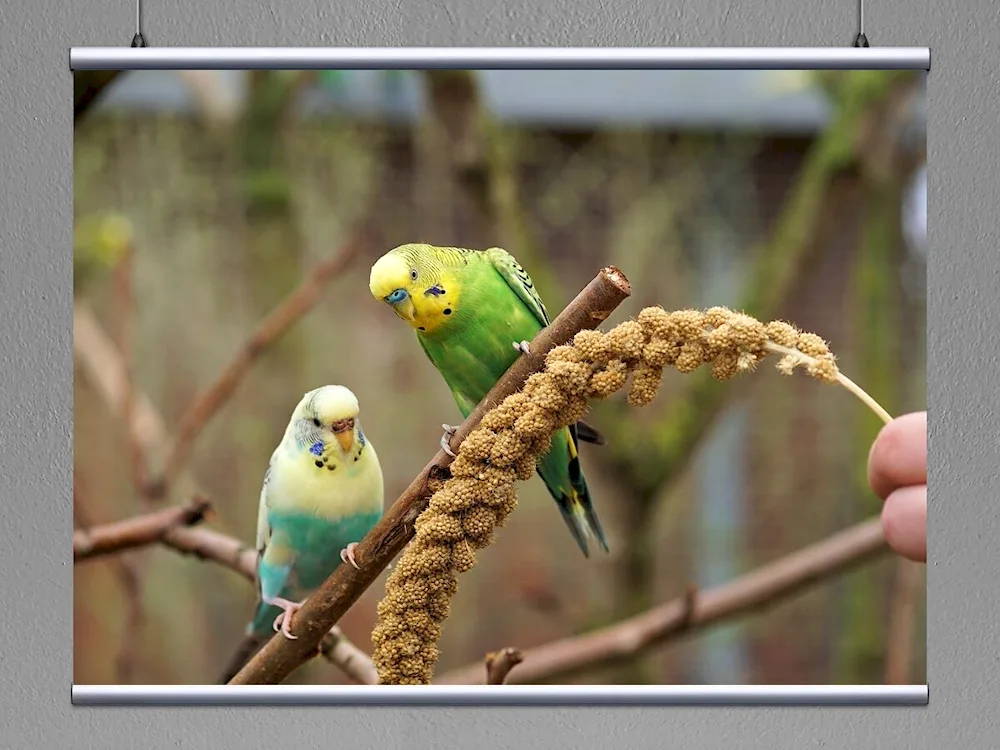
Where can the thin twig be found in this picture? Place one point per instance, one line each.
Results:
(139, 531)
(753, 591)
(355, 663)
(289, 311)
(499, 663)
(124, 298)
(281, 656)
(206, 544)
(105, 370)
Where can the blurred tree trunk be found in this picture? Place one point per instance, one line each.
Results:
(877, 306)
(876, 310)
(266, 184)
(633, 576)
(794, 490)
(483, 162)
(643, 241)
(272, 239)
(666, 445)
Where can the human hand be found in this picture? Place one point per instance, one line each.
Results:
(897, 472)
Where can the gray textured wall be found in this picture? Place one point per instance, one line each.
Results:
(35, 352)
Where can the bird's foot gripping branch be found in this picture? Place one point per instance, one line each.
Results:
(464, 512)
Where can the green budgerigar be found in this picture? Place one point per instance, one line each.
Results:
(474, 312)
(322, 492)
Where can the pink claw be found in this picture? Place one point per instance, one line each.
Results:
(283, 622)
(449, 432)
(347, 554)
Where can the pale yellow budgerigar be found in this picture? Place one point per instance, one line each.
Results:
(323, 491)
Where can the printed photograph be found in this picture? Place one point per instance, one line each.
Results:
(499, 377)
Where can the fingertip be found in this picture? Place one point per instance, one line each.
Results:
(898, 455)
(904, 522)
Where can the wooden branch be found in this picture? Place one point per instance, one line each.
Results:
(289, 311)
(281, 656)
(692, 612)
(499, 663)
(135, 532)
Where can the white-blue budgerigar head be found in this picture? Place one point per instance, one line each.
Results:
(328, 417)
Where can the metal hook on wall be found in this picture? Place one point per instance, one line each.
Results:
(861, 40)
(139, 40)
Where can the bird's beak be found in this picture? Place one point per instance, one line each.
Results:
(404, 309)
(343, 430)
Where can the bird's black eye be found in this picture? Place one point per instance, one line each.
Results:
(413, 274)
(316, 422)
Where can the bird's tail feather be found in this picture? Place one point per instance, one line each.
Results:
(593, 522)
(586, 433)
(582, 520)
(248, 648)
(573, 497)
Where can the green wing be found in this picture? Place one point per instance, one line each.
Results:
(517, 279)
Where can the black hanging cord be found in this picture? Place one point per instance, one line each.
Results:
(139, 40)
(860, 40)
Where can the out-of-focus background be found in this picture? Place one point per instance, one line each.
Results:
(790, 194)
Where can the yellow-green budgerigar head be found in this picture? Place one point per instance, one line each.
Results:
(419, 283)
(327, 417)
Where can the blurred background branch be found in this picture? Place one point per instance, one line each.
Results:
(139, 531)
(284, 316)
(625, 640)
(621, 641)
